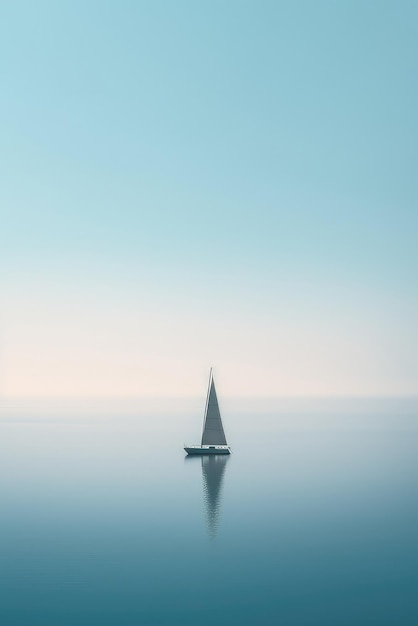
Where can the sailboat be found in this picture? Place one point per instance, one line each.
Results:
(213, 436)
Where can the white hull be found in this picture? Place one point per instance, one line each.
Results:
(207, 449)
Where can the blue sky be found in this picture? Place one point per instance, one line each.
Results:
(186, 184)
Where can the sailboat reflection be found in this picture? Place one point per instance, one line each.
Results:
(213, 469)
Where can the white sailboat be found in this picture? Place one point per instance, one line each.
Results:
(213, 436)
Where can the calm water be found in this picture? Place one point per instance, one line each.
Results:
(312, 520)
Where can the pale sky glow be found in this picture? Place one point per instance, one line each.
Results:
(214, 183)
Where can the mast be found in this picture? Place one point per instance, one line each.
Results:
(207, 403)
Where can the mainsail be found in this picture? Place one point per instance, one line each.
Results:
(213, 432)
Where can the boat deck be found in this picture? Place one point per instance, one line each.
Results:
(207, 449)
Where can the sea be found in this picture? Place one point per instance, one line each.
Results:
(312, 520)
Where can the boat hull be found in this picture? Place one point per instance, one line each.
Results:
(207, 450)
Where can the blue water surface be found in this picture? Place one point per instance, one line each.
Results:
(312, 520)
